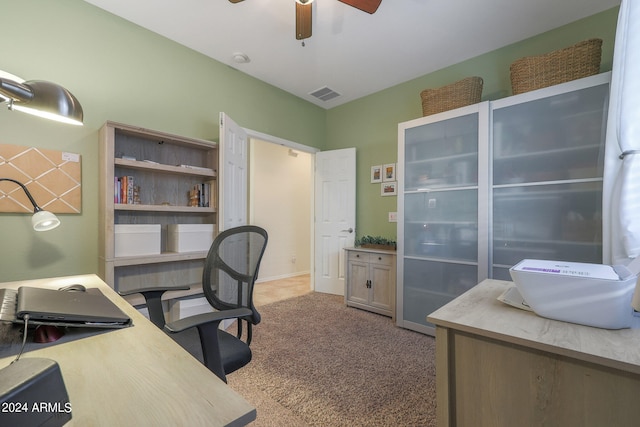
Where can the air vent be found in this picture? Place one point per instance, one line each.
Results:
(325, 93)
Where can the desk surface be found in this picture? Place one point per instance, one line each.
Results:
(137, 375)
(498, 365)
(479, 312)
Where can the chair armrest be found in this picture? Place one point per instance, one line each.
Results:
(201, 319)
(154, 289)
(153, 299)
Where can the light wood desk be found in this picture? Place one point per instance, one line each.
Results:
(136, 376)
(500, 366)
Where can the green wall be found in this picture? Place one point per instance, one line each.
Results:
(124, 73)
(371, 123)
(127, 74)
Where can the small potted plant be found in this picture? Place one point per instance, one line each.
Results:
(376, 242)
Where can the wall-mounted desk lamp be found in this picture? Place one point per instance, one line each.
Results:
(40, 98)
(42, 220)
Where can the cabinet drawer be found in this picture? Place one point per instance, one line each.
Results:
(359, 256)
(371, 257)
(383, 259)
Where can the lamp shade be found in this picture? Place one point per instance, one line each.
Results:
(44, 221)
(43, 99)
(41, 220)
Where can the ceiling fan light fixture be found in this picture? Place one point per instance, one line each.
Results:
(304, 13)
(303, 2)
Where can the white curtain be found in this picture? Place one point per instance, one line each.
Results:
(622, 165)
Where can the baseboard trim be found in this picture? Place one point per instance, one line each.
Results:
(283, 276)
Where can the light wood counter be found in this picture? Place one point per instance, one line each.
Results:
(501, 366)
(136, 376)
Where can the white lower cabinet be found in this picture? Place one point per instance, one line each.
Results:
(371, 280)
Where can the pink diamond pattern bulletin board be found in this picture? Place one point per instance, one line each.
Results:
(52, 177)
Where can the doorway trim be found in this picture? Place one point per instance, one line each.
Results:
(252, 134)
(280, 141)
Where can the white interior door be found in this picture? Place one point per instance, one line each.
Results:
(335, 216)
(232, 176)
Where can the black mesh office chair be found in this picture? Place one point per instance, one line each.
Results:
(230, 271)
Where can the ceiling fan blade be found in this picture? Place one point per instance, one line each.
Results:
(369, 6)
(235, 1)
(303, 20)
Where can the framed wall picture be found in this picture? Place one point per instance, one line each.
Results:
(389, 189)
(389, 172)
(376, 174)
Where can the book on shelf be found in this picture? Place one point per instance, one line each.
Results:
(124, 189)
(203, 195)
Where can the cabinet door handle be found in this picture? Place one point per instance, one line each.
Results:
(369, 284)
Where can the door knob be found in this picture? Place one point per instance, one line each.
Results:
(348, 230)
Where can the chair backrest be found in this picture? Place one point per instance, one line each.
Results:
(231, 268)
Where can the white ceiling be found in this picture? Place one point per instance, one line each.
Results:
(352, 52)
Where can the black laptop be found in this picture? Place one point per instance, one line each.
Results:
(90, 309)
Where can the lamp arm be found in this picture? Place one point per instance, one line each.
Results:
(36, 208)
(15, 90)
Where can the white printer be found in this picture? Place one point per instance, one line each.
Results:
(588, 294)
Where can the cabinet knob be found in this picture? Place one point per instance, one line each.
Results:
(357, 255)
(379, 258)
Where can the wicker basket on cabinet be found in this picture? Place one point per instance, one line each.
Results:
(562, 65)
(459, 94)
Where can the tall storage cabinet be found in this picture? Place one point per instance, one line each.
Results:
(166, 168)
(482, 187)
(440, 210)
(547, 169)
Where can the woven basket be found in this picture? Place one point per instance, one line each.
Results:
(563, 65)
(464, 92)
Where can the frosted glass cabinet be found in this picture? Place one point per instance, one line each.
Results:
(439, 211)
(482, 187)
(548, 160)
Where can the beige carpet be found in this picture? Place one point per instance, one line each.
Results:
(317, 362)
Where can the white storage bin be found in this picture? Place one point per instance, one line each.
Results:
(587, 294)
(137, 239)
(189, 237)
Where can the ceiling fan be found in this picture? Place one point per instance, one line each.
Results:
(303, 13)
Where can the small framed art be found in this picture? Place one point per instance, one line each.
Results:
(389, 189)
(376, 174)
(389, 172)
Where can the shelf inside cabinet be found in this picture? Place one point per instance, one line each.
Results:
(422, 223)
(156, 259)
(506, 244)
(158, 167)
(452, 157)
(162, 208)
(551, 153)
